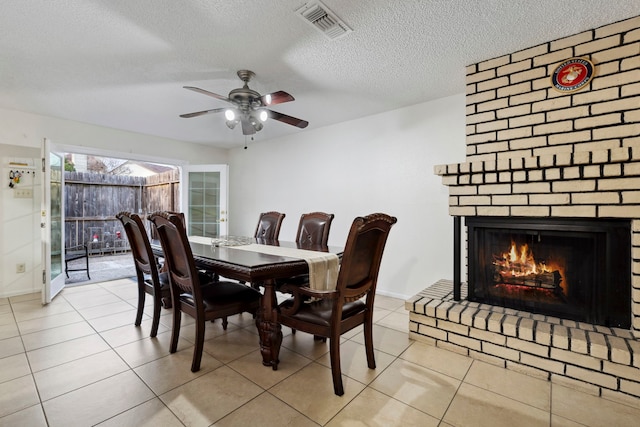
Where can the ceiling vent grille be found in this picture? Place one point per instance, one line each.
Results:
(324, 20)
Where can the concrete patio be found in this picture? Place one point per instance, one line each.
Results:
(102, 268)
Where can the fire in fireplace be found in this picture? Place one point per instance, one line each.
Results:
(518, 268)
(574, 269)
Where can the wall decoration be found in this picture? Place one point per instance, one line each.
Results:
(24, 175)
(572, 75)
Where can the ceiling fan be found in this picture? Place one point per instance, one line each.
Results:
(248, 106)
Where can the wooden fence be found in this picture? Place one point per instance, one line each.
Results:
(92, 201)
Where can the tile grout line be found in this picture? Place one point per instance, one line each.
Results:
(130, 368)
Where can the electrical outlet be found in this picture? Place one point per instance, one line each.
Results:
(23, 193)
(21, 268)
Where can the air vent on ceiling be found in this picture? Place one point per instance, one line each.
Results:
(323, 19)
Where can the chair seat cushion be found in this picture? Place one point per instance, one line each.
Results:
(217, 294)
(164, 280)
(204, 278)
(299, 280)
(319, 312)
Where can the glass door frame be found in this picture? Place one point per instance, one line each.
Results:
(222, 213)
(53, 275)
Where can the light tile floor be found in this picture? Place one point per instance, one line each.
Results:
(79, 361)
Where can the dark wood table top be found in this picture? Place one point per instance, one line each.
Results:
(250, 266)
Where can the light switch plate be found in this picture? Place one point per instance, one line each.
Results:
(23, 193)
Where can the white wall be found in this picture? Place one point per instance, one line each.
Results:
(379, 163)
(20, 223)
(382, 163)
(24, 129)
(21, 135)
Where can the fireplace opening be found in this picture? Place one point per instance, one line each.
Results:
(569, 268)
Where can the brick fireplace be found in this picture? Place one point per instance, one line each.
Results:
(538, 154)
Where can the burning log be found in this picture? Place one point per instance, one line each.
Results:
(546, 280)
(519, 267)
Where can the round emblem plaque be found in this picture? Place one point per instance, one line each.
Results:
(572, 74)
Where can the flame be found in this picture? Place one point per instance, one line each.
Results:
(520, 261)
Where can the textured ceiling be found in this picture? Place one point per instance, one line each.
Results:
(122, 63)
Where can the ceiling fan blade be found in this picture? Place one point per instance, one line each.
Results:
(201, 113)
(206, 92)
(276, 98)
(288, 119)
(247, 127)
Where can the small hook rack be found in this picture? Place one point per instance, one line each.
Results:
(16, 175)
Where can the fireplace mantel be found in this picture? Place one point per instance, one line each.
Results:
(589, 184)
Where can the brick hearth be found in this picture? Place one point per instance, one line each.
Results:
(600, 360)
(533, 151)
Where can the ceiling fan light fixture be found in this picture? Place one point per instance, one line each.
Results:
(230, 115)
(248, 107)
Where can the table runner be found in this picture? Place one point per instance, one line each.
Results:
(222, 240)
(323, 266)
(200, 239)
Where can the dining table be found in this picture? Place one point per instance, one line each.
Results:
(260, 263)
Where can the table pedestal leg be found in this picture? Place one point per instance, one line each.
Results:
(268, 327)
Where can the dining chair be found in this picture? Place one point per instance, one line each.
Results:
(313, 229)
(332, 313)
(313, 232)
(268, 229)
(269, 224)
(154, 234)
(150, 280)
(202, 301)
(205, 276)
(163, 266)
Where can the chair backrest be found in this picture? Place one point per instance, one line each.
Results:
(358, 275)
(154, 232)
(313, 229)
(140, 248)
(177, 254)
(269, 224)
(181, 216)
